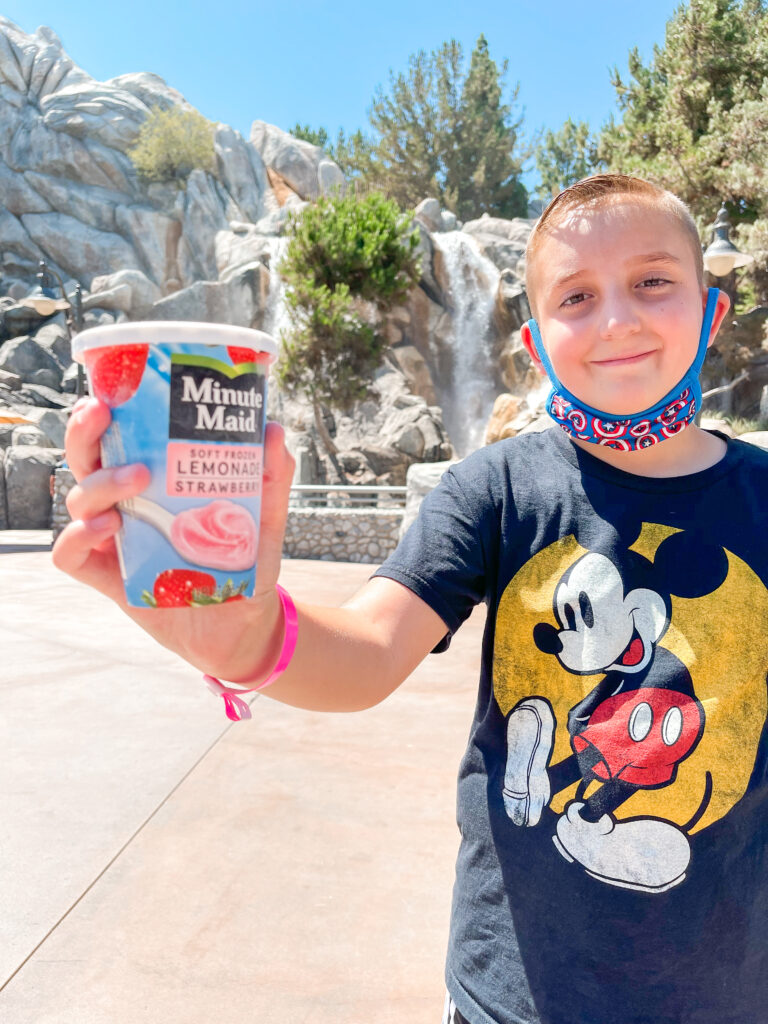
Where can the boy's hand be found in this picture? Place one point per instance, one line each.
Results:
(220, 640)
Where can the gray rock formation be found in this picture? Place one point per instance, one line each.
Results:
(304, 168)
(205, 251)
(72, 196)
(28, 472)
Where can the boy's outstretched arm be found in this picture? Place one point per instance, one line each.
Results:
(346, 658)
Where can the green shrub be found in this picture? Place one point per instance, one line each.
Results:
(344, 253)
(171, 144)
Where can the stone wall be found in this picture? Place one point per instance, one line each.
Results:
(330, 534)
(63, 482)
(342, 535)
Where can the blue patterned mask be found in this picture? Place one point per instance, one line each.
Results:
(628, 433)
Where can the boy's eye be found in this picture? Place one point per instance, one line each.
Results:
(653, 282)
(575, 299)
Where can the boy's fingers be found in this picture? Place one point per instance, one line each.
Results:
(104, 488)
(86, 551)
(278, 475)
(89, 419)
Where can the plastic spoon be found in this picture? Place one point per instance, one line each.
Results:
(153, 514)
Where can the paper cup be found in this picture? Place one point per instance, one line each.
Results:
(189, 401)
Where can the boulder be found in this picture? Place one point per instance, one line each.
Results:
(420, 480)
(70, 378)
(24, 357)
(241, 244)
(416, 371)
(722, 426)
(28, 472)
(81, 250)
(309, 467)
(516, 230)
(149, 89)
(542, 422)
(429, 214)
(27, 434)
(501, 241)
(296, 161)
(758, 437)
(146, 230)
(427, 254)
(506, 409)
(448, 221)
(16, 241)
(52, 422)
(19, 194)
(88, 203)
(55, 339)
(511, 310)
(42, 395)
(330, 178)
(204, 214)
(236, 301)
(241, 171)
(129, 291)
(11, 381)
(33, 146)
(44, 378)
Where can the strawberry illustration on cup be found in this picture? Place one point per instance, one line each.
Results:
(245, 355)
(115, 373)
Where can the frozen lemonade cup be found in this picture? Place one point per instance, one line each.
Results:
(189, 401)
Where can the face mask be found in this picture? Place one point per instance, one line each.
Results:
(640, 429)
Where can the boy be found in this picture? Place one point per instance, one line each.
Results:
(612, 797)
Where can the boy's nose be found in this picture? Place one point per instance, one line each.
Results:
(619, 320)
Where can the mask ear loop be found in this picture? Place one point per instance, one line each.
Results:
(709, 314)
(542, 354)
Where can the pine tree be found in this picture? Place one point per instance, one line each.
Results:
(695, 119)
(564, 157)
(440, 131)
(484, 176)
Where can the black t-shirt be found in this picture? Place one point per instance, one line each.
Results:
(612, 801)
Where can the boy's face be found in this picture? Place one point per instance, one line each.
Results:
(619, 304)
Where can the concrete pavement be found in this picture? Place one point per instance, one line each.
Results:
(159, 864)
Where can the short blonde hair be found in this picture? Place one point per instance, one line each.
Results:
(595, 192)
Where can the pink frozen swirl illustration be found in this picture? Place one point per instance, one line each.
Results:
(220, 535)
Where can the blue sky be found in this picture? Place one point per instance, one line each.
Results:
(292, 61)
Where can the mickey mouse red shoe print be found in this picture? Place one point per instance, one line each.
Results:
(632, 730)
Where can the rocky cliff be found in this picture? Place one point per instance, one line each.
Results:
(209, 251)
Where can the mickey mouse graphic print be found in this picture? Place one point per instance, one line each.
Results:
(613, 795)
(627, 677)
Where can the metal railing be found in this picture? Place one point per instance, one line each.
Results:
(357, 496)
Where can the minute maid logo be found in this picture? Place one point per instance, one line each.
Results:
(212, 401)
(633, 682)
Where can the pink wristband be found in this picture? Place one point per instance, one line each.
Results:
(235, 706)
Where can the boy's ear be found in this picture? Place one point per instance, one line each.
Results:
(722, 307)
(527, 339)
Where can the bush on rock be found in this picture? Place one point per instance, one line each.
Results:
(173, 143)
(349, 260)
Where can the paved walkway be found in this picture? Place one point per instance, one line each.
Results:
(158, 864)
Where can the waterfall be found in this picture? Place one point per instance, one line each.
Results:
(275, 315)
(473, 282)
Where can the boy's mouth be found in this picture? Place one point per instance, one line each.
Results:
(624, 360)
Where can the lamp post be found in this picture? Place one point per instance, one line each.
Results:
(43, 300)
(721, 257)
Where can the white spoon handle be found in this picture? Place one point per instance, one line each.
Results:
(149, 512)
